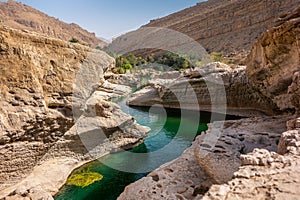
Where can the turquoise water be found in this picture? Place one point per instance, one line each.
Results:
(171, 130)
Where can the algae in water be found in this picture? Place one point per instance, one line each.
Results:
(84, 179)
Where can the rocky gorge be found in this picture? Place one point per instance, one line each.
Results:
(254, 158)
(38, 104)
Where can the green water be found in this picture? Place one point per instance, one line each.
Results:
(168, 129)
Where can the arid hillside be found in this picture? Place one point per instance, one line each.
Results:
(227, 25)
(20, 16)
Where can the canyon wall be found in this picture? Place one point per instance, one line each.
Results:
(37, 76)
(228, 26)
(274, 63)
(225, 26)
(54, 111)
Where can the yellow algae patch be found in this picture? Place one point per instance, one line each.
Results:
(84, 179)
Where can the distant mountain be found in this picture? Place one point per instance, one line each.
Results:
(20, 16)
(230, 26)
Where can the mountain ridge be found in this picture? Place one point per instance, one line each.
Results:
(20, 16)
(229, 26)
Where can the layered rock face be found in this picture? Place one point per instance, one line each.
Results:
(44, 83)
(21, 16)
(228, 26)
(36, 93)
(214, 86)
(274, 63)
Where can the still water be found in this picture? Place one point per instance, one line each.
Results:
(172, 131)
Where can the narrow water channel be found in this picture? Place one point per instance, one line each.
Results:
(165, 129)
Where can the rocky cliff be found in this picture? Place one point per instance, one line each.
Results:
(54, 111)
(20, 16)
(226, 26)
(274, 63)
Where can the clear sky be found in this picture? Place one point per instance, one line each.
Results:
(109, 18)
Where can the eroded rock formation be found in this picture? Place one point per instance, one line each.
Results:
(274, 63)
(203, 164)
(44, 84)
(265, 174)
(215, 85)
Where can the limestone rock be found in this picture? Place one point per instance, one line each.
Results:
(214, 86)
(40, 142)
(137, 78)
(290, 142)
(263, 175)
(204, 163)
(37, 76)
(179, 179)
(273, 64)
(294, 90)
(293, 124)
(220, 157)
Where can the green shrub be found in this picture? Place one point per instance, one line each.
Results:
(99, 48)
(74, 40)
(174, 61)
(122, 70)
(217, 56)
(169, 59)
(128, 66)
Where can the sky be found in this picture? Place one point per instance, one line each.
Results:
(109, 18)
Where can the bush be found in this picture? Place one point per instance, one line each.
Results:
(129, 62)
(74, 40)
(169, 59)
(122, 70)
(174, 61)
(217, 56)
(128, 66)
(99, 48)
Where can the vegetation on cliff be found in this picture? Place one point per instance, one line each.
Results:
(177, 62)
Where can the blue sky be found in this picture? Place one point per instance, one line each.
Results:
(109, 18)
